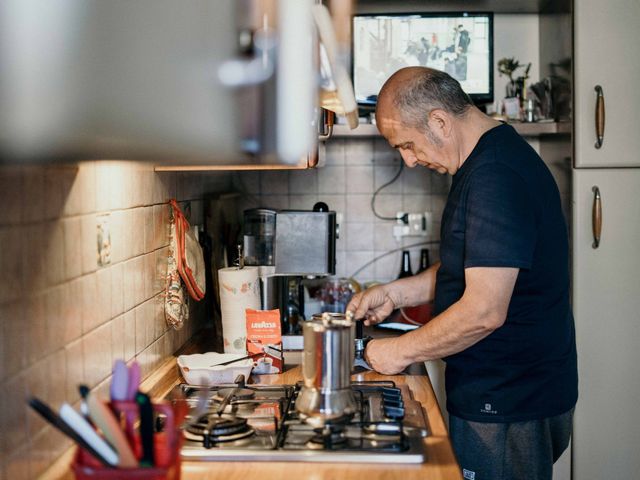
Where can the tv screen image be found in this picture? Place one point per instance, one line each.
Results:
(459, 44)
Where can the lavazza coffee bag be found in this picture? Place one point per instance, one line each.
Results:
(264, 336)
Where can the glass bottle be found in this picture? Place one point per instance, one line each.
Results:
(405, 270)
(424, 260)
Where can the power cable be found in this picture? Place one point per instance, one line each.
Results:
(375, 194)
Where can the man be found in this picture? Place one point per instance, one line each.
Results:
(462, 40)
(502, 320)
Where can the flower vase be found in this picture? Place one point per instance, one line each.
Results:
(511, 89)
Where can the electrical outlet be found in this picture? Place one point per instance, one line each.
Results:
(412, 224)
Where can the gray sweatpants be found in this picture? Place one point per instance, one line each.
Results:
(510, 451)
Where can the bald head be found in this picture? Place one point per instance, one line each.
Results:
(411, 93)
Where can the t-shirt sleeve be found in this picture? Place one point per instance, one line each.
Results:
(500, 220)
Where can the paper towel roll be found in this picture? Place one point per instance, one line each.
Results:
(239, 290)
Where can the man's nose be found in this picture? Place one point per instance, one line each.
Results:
(409, 158)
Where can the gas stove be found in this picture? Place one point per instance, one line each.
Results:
(260, 423)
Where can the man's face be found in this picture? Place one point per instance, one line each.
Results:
(415, 146)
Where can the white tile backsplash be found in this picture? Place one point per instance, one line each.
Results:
(303, 182)
(274, 182)
(359, 208)
(277, 202)
(331, 180)
(383, 174)
(359, 237)
(388, 205)
(14, 340)
(335, 151)
(383, 236)
(63, 319)
(11, 256)
(356, 261)
(383, 153)
(387, 267)
(11, 196)
(302, 202)
(359, 179)
(416, 180)
(33, 200)
(72, 238)
(353, 169)
(359, 151)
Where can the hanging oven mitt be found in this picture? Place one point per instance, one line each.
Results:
(189, 256)
(176, 308)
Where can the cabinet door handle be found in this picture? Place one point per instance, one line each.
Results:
(599, 116)
(596, 217)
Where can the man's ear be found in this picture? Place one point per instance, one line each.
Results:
(440, 122)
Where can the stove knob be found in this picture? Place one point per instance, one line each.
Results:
(392, 402)
(395, 413)
(391, 398)
(394, 391)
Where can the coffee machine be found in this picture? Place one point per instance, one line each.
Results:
(288, 246)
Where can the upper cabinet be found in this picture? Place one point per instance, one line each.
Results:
(205, 82)
(607, 76)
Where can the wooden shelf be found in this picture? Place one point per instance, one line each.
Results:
(524, 129)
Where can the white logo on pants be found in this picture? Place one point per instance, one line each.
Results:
(468, 474)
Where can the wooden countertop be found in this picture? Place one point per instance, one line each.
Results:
(440, 464)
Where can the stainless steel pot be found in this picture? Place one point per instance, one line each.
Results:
(326, 369)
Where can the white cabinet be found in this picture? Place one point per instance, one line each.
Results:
(606, 304)
(606, 281)
(606, 54)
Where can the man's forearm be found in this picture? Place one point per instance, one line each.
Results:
(454, 330)
(415, 290)
(482, 309)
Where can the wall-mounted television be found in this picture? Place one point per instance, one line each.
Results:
(460, 44)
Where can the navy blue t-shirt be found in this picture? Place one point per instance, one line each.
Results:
(504, 210)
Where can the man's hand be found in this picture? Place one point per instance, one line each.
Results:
(385, 356)
(374, 305)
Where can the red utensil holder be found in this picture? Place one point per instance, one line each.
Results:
(166, 449)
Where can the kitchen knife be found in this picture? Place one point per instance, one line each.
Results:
(134, 380)
(84, 409)
(104, 453)
(104, 419)
(78, 424)
(119, 381)
(146, 429)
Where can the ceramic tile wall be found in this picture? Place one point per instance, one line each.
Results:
(354, 169)
(63, 319)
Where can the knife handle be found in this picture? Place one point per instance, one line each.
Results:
(103, 452)
(86, 431)
(134, 381)
(119, 381)
(146, 429)
(106, 421)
